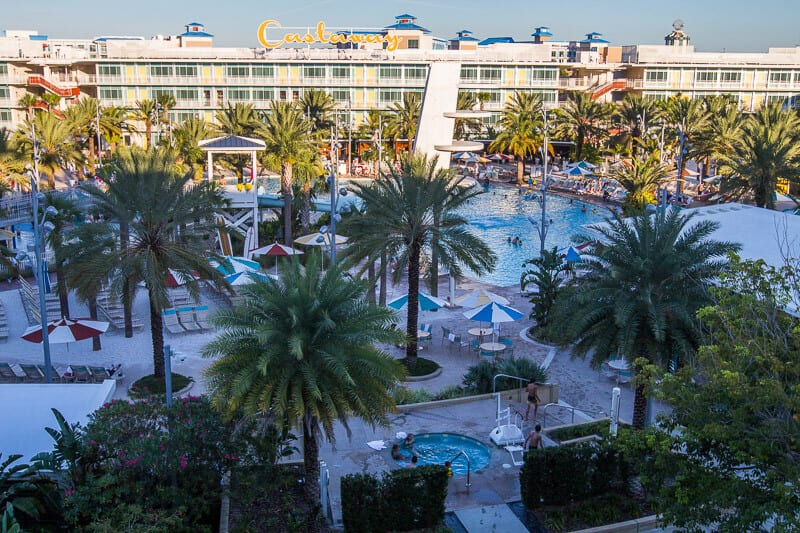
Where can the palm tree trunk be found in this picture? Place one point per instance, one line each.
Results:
(305, 213)
(639, 407)
(311, 468)
(371, 277)
(286, 190)
(384, 279)
(157, 333)
(521, 171)
(63, 292)
(413, 303)
(96, 347)
(148, 133)
(410, 146)
(127, 297)
(579, 145)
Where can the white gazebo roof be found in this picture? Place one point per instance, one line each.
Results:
(232, 144)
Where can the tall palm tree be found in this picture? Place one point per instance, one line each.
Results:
(690, 118)
(166, 233)
(721, 131)
(582, 119)
(237, 119)
(318, 108)
(520, 136)
(403, 119)
(640, 179)
(67, 210)
(167, 102)
(11, 165)
(372, 128)
(145, 111)
(642, 288)
(187, 136)
(637, 115)
(309, 173)
(27, 101)
(304, 348)
(465, 126)
(286, 134)
(768, 149)
(86, 247)
(400, 220)
(52, 100)
(56, 147)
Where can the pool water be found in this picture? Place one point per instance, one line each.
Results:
(500, 213)
(436, 448)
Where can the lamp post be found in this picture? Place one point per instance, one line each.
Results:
(542, 228)
(333, 183)
(38, 239)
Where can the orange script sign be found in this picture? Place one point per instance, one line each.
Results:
(323, 36)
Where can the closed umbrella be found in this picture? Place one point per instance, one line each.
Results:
(426, 302)
(480, 297)
(66, 330)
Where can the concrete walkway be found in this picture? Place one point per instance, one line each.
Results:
(498, 518)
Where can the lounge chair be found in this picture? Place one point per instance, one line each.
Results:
(99, 374)
(32, 373)
(55, 374)
(170, 319)
(7, 374)
(186, 318)
(81, 374)
(201, 314)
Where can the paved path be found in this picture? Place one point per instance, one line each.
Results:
(498, 518)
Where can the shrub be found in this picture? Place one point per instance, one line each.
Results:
(479, 377)
(151, 385)
(402, 500)
(448, 393)
(600, 427)
(405, 396)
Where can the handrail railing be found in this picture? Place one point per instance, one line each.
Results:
(469, 467)
(570, 408)
(494, 380)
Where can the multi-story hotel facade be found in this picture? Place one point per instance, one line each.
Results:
(372, 69)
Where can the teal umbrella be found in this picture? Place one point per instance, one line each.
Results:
(426, 302)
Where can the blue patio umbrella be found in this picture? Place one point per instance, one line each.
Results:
(232, 264)
(494, 312)
(244, 278)
(426, 302)
(572, 255)
(579, 171)
(584, 165)
(464, 155)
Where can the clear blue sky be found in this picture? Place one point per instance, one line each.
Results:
(714, 25)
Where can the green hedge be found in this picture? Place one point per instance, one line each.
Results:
(402, 500)
(562, 474)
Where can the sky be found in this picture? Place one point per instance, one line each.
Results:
(714, 25)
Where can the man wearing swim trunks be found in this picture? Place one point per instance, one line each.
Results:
(533, 399)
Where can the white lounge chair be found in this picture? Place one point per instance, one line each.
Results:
(186, 317)
(201, 316)
(170, 318)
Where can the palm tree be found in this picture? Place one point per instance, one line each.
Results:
(145, 111)
(303, 348)
(640, 179)
(768, 149)
(27, 101)
(237, 119)
(547, 274)
(167, 102)
(56, 147)
(400, 220)
(286, 134)
(11, 166)
(309, 173)
(519, 136)
(582, 119)
(187, 136)
(88, 247)
(642, 288)
(637, 115)
(52, 100)
(67, 210)
(465, 126)
(403, 119)
(166, 233)
(721, 131)
(372, 128)
(318, 107)
(690, 118)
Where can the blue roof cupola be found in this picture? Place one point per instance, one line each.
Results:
(542, 31)
(465, 35)
(406, 22)
(195, 29)
(594, 37)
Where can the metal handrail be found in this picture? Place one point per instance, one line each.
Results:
(469, 467)
(494, 380)
(571, 408)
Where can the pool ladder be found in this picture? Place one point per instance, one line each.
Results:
(469, 468)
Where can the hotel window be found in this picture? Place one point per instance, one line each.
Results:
(413, 44)
(161, 71)
(5, 115)
(341, 95)
(539, 74)
(797, 77)
(777, 98)
(780, 77)
(186, 71)
(110, 93)
(656, 76)
(263, 71)
(109, 71)
(4, 92)
(315, 72)
(490, 74)
(469, 74)
(416, 73)
(3, 69)
(706, 76)
(187, 95)
(156, 92)
(727, 76)
(263, 95)
(236, 94)
(183, 116)
(390, 73)
(389, 96)
(238, 71)
(340, 72)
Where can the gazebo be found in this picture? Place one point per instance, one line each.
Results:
(244, 206)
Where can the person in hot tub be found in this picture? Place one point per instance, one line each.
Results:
(409, 441)
(397, 455)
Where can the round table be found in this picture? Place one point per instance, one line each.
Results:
(480, 332)
(494, 347)
(618, 364)
(423, 334)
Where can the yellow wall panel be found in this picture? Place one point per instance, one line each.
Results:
(131, 99)
(142, 73)
(358, 97)
(282, 74)
(371, 96)
(359, 74)
(510, 76)
(295, 74)
(206, 73)
(130, 73)
(372, 74)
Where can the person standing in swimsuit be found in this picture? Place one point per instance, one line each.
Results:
(533, 399)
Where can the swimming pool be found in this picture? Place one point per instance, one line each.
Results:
(500, 213)
(436, 448)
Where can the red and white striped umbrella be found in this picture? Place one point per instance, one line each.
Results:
(275, 249)
(176, 279)
(66, 330)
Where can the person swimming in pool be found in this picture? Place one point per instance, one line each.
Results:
(397, 455)
(583, 209)
(409, 441)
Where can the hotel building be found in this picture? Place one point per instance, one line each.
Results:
(372, 69)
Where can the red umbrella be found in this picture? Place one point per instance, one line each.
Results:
(276, 250)
(66, 330)
(176, 279)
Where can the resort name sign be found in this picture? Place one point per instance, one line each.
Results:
(323, 36)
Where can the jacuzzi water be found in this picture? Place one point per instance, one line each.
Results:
(436, 448)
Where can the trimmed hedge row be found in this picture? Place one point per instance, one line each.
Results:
(562, 474)
(402, 500)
